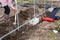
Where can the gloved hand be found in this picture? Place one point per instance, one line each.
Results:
(14, 9)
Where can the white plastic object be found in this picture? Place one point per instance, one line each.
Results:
(51, 9)
(55, 31)
(34, 21)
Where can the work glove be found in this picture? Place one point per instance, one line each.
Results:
(14, 9)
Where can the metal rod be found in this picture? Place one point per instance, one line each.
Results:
(34, 8)
(44, 6)
(16, 15)
(52, 3)
(16, 12)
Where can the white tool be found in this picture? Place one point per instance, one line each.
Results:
(34, 21)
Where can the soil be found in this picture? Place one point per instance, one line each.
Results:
(41, 31)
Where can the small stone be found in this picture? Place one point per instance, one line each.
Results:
(14, 23)
(23, 32)
(59, 37)
(55, 31)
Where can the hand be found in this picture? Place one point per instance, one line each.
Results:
(14, 9)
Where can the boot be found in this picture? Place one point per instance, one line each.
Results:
(4, 18)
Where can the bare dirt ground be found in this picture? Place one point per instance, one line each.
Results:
(41, 31)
